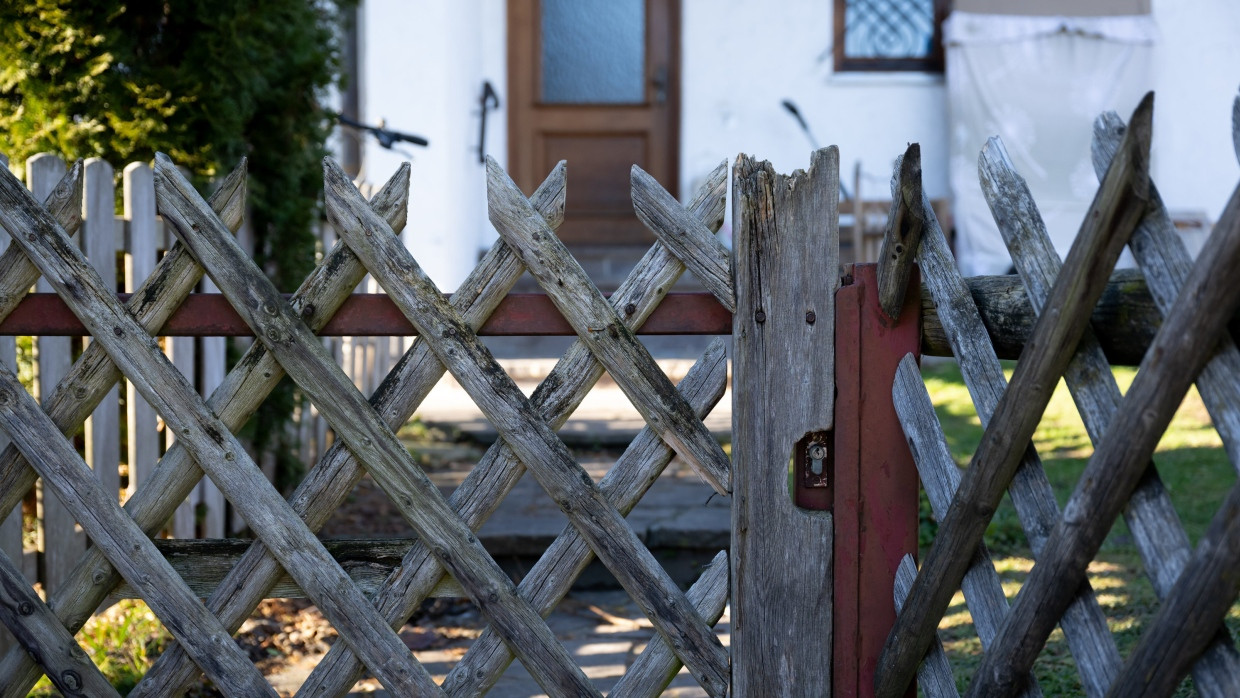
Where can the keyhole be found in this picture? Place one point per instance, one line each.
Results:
(817, 454)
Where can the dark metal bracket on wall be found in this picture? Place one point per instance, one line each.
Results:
(488, 101)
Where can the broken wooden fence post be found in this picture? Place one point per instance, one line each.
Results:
(786, 256)
(903, 234)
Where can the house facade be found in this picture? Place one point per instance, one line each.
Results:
(679, 86)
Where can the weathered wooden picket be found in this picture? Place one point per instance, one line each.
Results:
(134, 242)
(1197, 587)
(823, 493)
(447, 329)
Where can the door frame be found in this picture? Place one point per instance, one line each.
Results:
(524, 86)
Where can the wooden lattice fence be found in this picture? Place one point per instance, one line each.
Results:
(122, 346)
(123, 430)
(1196, 587)
(797, 625)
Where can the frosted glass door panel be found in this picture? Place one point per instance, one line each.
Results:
(593, 51)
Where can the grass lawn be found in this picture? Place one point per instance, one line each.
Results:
(1193, 467)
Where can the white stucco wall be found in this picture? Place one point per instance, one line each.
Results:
(424, 63)
(741, 59)
(1196, 69)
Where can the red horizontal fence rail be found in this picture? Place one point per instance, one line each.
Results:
(874, 493)
(374, 315)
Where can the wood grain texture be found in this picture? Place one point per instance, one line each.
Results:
(134, 555)
(60, 539)
(1202, 595)
(688, 238)
(1124, 320)
(140, 419)
(92, 374)
(786, 250)
(212, 445)
(903, 235)
(1183, 345)
(306, 361)
(103, 429)
(1084, 624)
(568, 555)
(328, 483)
(934, 676)
(654, 669)
(10, 520)
(42, 636)
(366, 434)
(205, 562)
(599, 325)
(1115, 212)
(455, 344)
(941, 476)
(1188, 620)
(64, 199)
(1159, 251)
(1150, 514)
(555, 399)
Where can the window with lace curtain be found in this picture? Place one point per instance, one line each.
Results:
(889, 35)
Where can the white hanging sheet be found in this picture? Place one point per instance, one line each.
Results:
(1038, 83)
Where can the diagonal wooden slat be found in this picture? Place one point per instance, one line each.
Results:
(59, 536)
(69, 405)
(657, 664)
(935, 673)
(555, 399)
(1165, 265)
(529, 436)
(211, 443)
(1161, 254)
(688, 238)
(1084, 624)
(568, 555)
(328, 483)
(308, 363)
(40, 633)
(940, 477)
(64, 200)
(1184, 343)
(102, 519)
(103, 445)
(1187, 623)
(17, 273)
(599, 325)
(1115, 212)
(1150, 514)
(87, 381)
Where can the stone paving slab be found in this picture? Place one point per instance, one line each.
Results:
(604, 631)
(681, 519)
(605, 418)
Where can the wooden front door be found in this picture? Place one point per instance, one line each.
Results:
(594, 82)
